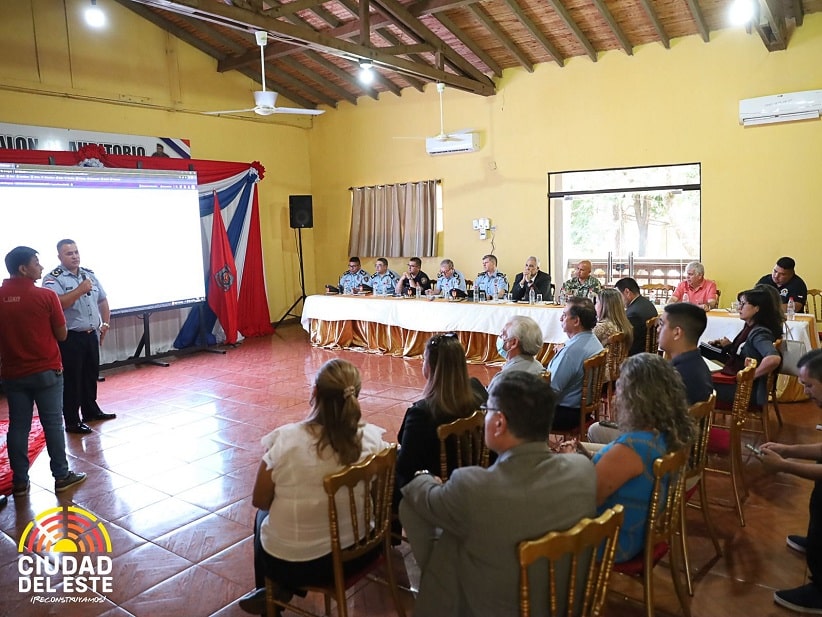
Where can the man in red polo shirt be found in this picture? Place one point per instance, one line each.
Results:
(31, 323)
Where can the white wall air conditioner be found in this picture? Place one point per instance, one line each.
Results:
(787, 107)
(453, 144)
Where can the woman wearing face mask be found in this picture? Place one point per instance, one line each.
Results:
(449, 394)
(519, 342)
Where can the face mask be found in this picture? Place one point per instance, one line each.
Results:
(501, 347)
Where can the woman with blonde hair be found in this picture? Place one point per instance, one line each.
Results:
(654, 420)
(292, 542)
(611, 317)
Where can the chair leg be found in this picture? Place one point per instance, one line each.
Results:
(736, 472)
(703, 502)
(683, 541)
(392, 582)
(776, 409)
(648, 588)
(684, 600)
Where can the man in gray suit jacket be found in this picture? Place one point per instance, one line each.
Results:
(464, 532)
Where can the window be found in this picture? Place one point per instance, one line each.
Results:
(640, 221)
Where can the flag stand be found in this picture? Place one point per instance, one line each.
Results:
(302, 281)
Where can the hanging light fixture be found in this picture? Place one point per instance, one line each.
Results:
(366, 75)
(94, 15)
(742, 12)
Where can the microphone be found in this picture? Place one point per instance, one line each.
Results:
(83, 276)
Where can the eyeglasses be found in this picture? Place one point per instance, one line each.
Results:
(438, 338)
(413, 266)
(486, 409)
(743, 303)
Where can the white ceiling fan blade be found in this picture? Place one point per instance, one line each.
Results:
(298, 112)
(228, 111)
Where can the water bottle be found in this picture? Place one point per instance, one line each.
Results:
(685, 297)
(347, 289)
(532, 297)
(791, 309)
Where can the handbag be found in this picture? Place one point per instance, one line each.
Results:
(791, 351)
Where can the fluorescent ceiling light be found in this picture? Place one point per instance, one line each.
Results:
(94, 15)
(742, 12)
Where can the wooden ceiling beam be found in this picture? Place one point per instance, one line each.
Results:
(280, 88)
(660, 31)
(772, 30)
(798, 12)
(340, 73)
(414, 25)
(574, 28)
(321, 81)
(618, 32)
(506, 41)
(699, 19)
(284, 10)
(492, 65)
(535, 31)
(301, 86)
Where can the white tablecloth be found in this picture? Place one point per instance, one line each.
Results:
(722, 323)
(431, 316)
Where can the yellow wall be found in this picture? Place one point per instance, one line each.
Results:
(761, 185)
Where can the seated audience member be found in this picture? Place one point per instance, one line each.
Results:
(383, 281)
(639, 310)
(449, 280)
(582, 285)
(519, 342)
(578, 319)
(531, 278)
(413, 279)
(352, 279)
(292, 543)
(464, 533)
(611, 317)
(653, 416)
(763, 325)
(696, 289)
(449, 394)
(491, 281)
(787, 283)
(806, 598)
(680, 327)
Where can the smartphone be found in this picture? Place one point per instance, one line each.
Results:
(754, 449)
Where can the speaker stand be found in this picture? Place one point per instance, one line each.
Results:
(302, 297)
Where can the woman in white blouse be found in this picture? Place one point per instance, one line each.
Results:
(292, 543)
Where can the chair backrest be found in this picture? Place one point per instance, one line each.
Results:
(465, 439)
(567, 553)
(652, 335)
(369, 489)
(469, 284)
(617, 352)
(664, 511)
(702, 414)
(718, 294)
(658, 293)
(593, 376)
(815, 300)
(744, 390)
(546, 376)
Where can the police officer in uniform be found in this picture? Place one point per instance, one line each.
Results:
(87, 315)
(449, 280)
(493, 282)
(355, 277)
(383, 281)
(414, 278)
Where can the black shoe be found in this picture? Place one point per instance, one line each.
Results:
(797, 543)
(3, 501)
(100, 416)
(804, 599)
(63, 484)
(254, 602)
(20, 490)
(80, 428)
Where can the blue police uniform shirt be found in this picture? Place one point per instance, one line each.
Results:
(84, 314)
(360, 277)
(455, 281)
(491, 284)
(384, 284)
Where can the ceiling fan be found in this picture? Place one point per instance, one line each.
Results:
(265, 100)
(442, 135)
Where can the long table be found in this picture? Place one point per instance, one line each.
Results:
(401, 326)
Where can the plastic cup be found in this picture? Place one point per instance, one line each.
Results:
(539, 298)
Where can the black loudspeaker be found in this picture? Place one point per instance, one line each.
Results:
(300, 211)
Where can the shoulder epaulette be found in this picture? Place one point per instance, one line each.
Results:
(57, 271)
(89, 270)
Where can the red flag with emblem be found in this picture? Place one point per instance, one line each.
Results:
(222, 277)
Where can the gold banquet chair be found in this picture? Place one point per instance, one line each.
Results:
(658, 293)
(814, 301)
(727, 440)
(593, 376)
(652, 335)
(664, 509)
(464, 439)
(617, 352)
(568, 551)
(702, 415)
(367, 489)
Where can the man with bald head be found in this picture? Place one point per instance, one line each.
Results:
(582, 285)
(531, 278)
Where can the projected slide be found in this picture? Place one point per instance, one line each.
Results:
(138, 230)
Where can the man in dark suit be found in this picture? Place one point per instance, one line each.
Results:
(464, 533)
(639, 310)
(531, 278)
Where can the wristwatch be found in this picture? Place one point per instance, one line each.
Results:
(421, 472)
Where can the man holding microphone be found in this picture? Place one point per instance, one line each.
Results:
(87, 315)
